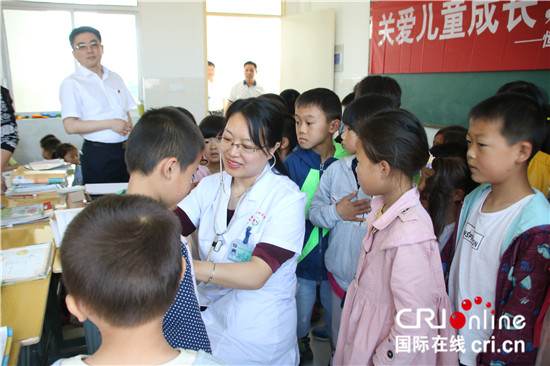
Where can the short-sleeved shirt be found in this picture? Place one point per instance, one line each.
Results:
(243, 91)
(250, 326)
(215, 97)
(477, 256)
(186, 357)
(86, 96)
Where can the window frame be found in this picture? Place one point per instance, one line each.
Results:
(71, 8)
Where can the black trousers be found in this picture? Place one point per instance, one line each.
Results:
(103, 162)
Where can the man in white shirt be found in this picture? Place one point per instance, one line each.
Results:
(248, 88)
(95, 104)
(215, 98)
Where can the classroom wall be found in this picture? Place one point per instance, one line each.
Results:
(438, 99)
(172, 51)
(352, 32)
(30, 133)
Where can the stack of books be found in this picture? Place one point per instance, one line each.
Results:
(28, 182)
(27, 214)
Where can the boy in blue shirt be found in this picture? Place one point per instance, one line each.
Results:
(318, 114)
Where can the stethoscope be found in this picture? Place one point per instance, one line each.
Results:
(217, 244)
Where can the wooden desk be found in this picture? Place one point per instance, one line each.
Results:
(24, 303)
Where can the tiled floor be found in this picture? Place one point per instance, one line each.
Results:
(321, 352)
(320, 349)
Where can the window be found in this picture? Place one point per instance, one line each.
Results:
(89, 2)
(259, 41)
(40, 55)
(264, 7)
(244, 30)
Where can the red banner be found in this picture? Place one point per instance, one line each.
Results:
(454, 36)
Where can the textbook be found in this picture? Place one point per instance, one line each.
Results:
(6, 339)
(26, 214)
(32, 189)
(28, 263)
(28, 177)
(45, 164)
(41, 176)
(61, 220)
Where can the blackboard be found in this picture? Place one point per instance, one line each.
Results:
(444, 99)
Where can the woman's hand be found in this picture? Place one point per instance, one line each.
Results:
(245, 276)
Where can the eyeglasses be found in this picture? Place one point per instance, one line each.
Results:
(83, 46)
(227, 143)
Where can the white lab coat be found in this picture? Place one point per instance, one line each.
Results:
(245, 326)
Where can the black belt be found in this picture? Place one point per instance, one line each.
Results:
(120, 145)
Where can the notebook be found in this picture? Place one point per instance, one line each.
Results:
(28, 263)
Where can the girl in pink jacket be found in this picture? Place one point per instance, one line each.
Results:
(396, 309)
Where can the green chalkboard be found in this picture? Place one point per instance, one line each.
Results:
(444, 99)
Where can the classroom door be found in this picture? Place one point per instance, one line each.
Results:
(307, 50)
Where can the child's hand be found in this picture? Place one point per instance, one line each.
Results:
(348, 210)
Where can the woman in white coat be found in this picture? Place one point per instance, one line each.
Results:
(250, 221)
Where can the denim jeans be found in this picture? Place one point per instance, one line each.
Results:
(305, 299)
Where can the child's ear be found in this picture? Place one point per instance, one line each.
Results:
(334, 126)
(167, 166)
(458, 195)
(384, 168)
(284, 143)
(524, 151)
(76, 307)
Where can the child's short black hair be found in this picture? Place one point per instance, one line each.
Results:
(364, 107)
(47, 137)
(159, 134)
(187, 113)
(520, 117)
(277, 100)
(324, 99)
(211, 126)
(49, 143)
(289, 131)
(85, 29)
(121, 257)
(348, 99)
(290, 96)
(397, 137)
(62, 150)
(453, 134)
(539, 95)
(378, 84)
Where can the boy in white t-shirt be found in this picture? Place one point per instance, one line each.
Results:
(122, 282)
(500, 267)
